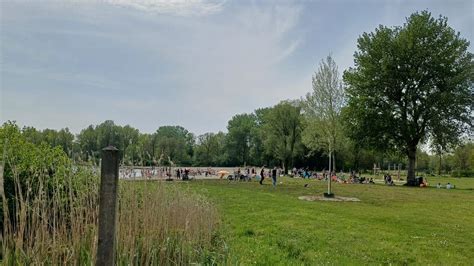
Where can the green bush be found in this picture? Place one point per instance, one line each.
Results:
(463, 173)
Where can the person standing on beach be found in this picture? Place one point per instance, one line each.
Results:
(274, 176)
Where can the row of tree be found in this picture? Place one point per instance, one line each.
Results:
(282, 135)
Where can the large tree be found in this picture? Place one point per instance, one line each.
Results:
(130, 143)
(282, 125)
(408, 82)
(209, 150)
(239, 138)
(88, 143)
(174, 143)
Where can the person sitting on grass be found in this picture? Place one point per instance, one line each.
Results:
(424, 183)
(371, 181)
(448, 186)
(439, 185)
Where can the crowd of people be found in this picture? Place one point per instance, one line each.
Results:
(249, 174)
(164, 172)
(258, 174)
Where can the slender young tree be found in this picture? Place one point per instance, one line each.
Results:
(323, 108)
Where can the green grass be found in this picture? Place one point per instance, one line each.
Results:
(391, 225)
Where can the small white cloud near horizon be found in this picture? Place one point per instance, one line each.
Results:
(173, 7)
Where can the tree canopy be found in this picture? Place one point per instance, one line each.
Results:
(239, 137)
(283, 125)
(323, 107)
(410, 83)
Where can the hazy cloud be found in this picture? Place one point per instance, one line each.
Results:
(173, 7)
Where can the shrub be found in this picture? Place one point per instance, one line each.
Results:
(463, 173)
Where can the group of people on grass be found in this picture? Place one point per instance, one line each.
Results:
(423, 182)
(250, 173)
(167, 172)
(448, 186)
(131, 173)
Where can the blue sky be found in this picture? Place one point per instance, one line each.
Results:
(190, 63)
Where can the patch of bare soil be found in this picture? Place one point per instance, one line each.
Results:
(322, 198)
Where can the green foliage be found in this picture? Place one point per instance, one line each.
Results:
(38, 167)
(463, 173)
(62, 138)
(282, 126)
(174, 144)
(52, 209)
(210, 150)
(410, 83)
(239, 138)
(323, 107)
(464, 157)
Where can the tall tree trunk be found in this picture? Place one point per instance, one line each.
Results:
(411, 165)
(329, 174)
(329, 168)
(334, 161)
(356, 158)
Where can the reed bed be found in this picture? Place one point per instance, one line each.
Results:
(54, 221)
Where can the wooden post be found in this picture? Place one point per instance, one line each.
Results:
(108, 206)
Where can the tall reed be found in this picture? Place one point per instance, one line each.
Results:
(56, 222)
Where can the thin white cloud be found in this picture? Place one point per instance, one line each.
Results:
(288, 50)
(173, 7)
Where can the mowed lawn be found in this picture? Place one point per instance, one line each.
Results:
(391, 225)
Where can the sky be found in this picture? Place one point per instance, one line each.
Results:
(190, 63)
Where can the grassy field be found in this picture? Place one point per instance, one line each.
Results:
(390, 225)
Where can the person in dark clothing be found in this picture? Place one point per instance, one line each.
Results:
(262, 175)
(274, 176)
(186, 174)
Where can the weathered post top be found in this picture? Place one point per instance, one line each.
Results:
(110, 148)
